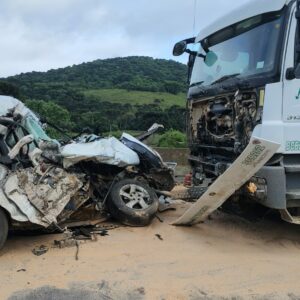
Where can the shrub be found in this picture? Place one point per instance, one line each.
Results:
(173, 139)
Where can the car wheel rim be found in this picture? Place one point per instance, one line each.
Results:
(135, 196)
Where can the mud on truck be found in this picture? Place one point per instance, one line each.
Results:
(244, 81)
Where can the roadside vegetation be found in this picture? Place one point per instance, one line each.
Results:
(121, 96)
(173, 139)
(107, 95)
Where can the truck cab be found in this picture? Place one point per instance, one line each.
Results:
(244, 81)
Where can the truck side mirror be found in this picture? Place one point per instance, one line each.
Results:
(290, 74)
(293, 73)
(179, 48)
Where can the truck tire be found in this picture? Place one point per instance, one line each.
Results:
(191, 194)
(3, 228)
(132, 203)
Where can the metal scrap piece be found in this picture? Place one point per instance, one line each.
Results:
(18, 147)
(77, 251)
(52, 192)
(67, 240)
(8, 205)
(42, 198)
(15, 213)
(14, 193)
(41, 250)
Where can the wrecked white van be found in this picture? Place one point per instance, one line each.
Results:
(46, 185)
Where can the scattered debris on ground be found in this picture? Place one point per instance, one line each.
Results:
(74, 236)
(159, 237)
(40, 250)
(245, 264)
(21, 270)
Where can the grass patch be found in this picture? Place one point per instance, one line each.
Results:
(164, 100)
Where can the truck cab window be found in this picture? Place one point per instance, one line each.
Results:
(248, 48)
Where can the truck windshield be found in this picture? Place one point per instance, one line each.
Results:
(245, 49)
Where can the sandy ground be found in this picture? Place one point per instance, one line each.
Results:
(225, 258)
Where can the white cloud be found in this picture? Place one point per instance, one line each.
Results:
(40, 34)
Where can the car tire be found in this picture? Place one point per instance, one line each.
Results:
(133, 203)
(3, 228)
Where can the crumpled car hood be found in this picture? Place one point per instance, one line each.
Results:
(107, 151)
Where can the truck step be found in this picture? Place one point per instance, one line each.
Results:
(293, 194)
(292, 168)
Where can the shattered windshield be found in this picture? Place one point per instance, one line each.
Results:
(245, 49)
(34, 127)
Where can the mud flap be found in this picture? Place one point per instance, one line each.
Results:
(254, 157)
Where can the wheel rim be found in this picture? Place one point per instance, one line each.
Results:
(135, 196)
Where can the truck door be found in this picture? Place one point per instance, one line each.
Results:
(291, 91)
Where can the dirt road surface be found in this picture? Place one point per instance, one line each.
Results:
(225, 258)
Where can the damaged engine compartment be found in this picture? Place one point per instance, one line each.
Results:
(220, 129)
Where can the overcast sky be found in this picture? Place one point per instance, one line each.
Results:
(45, 34)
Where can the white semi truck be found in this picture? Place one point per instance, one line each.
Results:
(244, 82)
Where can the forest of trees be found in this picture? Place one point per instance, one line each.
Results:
(65, 91)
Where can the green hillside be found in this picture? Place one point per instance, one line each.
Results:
(113, 94)
(164, 100)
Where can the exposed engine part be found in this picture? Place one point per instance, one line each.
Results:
(245, 107)
(228, 120)
(221, 128)
(219, 119)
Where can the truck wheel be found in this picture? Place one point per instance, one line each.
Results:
(3, 228)
(133, 203)
(191, 194)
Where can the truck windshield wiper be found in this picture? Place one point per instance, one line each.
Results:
(226, 77)
(197, 83)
